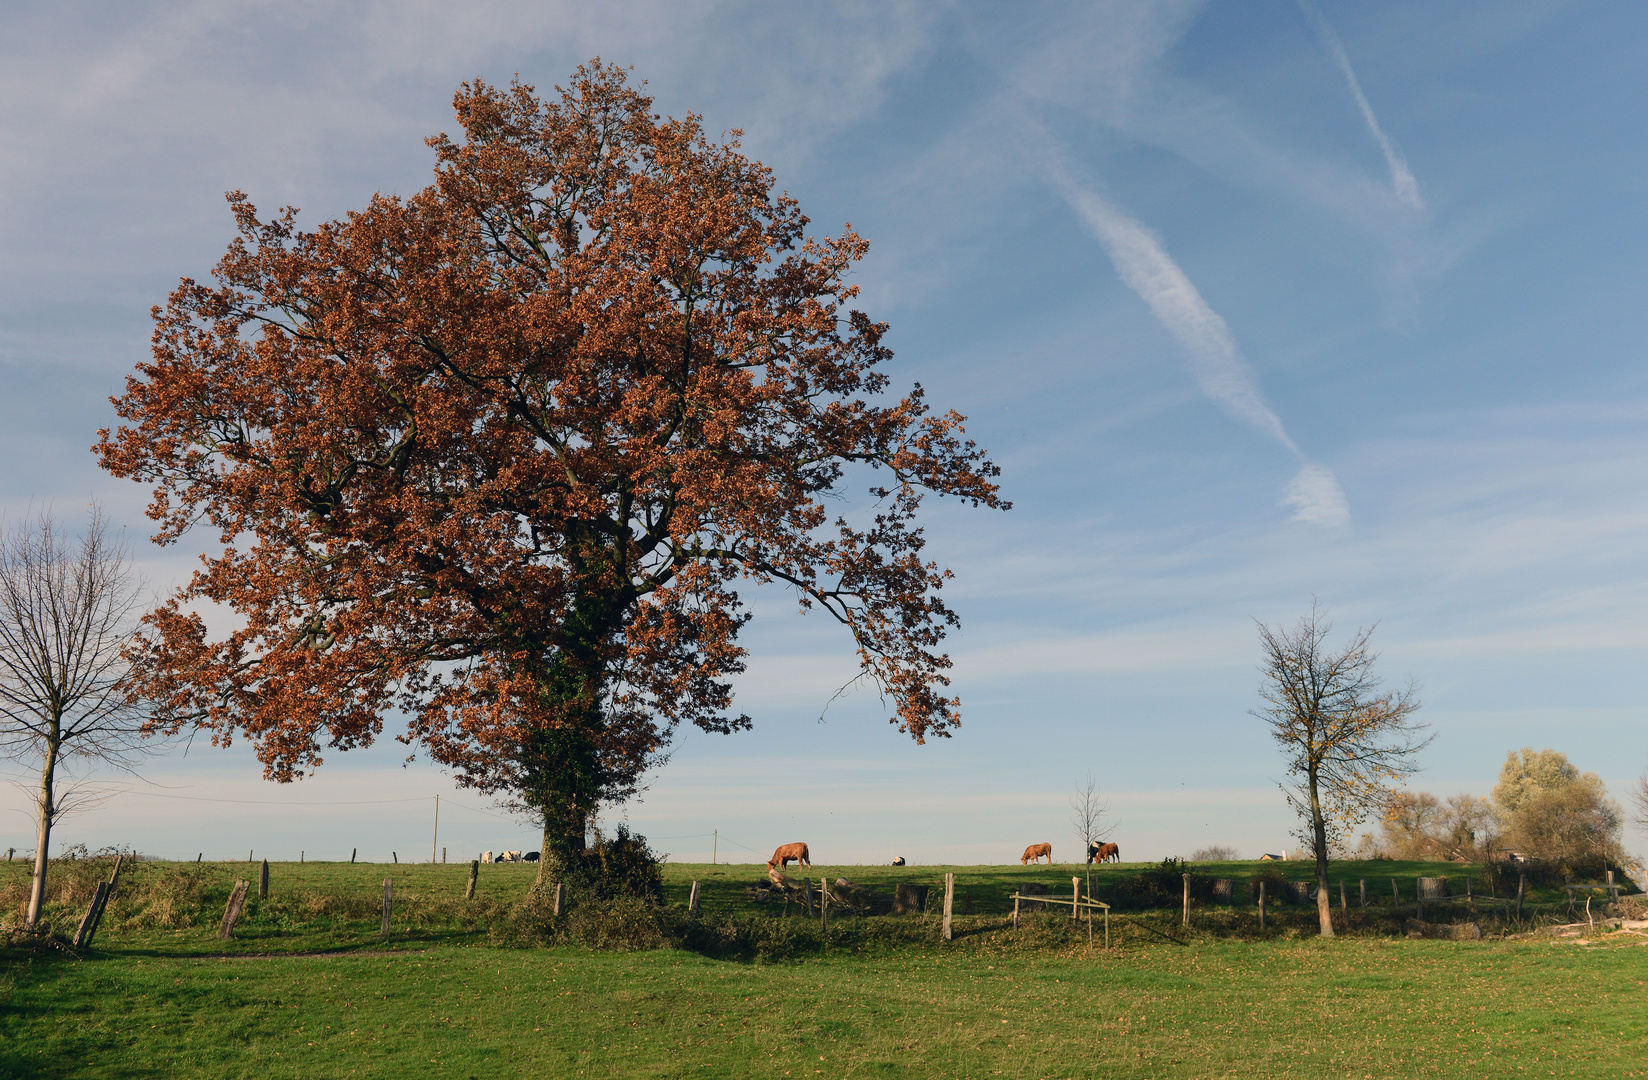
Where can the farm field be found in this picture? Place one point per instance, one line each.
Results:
(440, 997)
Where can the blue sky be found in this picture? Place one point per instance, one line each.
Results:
(1252, 302)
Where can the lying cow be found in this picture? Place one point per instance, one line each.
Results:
(899, 861)
(789, 853)
(1034, 852)
(1103, 853)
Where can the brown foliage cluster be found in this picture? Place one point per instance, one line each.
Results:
(496, 454)
(1417, 825)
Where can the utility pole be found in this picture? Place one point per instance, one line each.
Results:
(714, 844)
(435, 837)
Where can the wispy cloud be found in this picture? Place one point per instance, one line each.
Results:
(1214, 360)
(1316, 497)
(1403, 185)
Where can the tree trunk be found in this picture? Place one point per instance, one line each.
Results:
(555, 843)
(558, 837)
(42, 848)
(1319, 830)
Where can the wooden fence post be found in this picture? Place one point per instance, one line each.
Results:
(1521, 884)
(352, 853)
(1613, 890)
(237, 900)
(84, 932)
(108, 894)
(1187, 899)
(1261, 905)
(388, 904)
(823, 903)
(1362, 887)
(395, 856)
(1107, 928)
(949, 903)
(474, 872)
(808, 883)
(198, 857)
(560, 898)
(1343, 904)
(1396, 895)
(693, 908)
(1015, 909)
(263, 881)
(443, 855)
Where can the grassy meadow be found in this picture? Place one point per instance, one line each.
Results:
(309, 988)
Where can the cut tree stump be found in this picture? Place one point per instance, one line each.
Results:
(907, 899)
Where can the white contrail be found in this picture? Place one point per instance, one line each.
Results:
(1403, 184)
(1215, 362)
(1146, 268)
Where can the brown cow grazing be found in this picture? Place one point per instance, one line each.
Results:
(1035, 852)
(1104, 853)
(790, 853)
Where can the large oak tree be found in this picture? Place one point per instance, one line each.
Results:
(496, 455)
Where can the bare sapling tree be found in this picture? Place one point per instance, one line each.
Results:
(1089, 812)
(1344, 737)
(66, 617)
(1639, 800)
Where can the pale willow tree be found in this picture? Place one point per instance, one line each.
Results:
(1345, 738)
(1557, 813)
(66, 618)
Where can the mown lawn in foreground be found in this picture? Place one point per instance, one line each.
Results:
(1352, 1007)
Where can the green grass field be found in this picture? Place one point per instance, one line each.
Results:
(308, 988)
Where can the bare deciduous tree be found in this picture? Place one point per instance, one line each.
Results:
(1214, 853)
(1639, 798)
(1088, 811)
(1344, 738)
(65, 619)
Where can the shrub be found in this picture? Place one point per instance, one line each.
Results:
(1214, 853)
(623, 866)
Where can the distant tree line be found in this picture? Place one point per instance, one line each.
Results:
(1543, 809)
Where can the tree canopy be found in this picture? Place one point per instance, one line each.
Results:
(496, 455)
(1556, 813)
